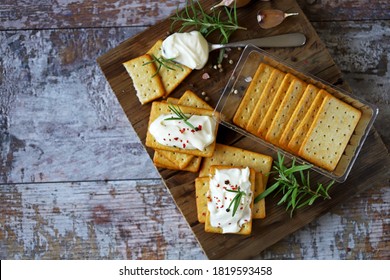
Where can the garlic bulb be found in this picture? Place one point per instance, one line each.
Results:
(271, 17)
(230, 3)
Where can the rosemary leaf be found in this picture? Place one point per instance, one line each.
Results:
(163, 62)
(236, 200)
(284, 198)
(266, 192)
(294, 186)
(180, 116)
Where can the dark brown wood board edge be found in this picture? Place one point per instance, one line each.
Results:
(137, 114)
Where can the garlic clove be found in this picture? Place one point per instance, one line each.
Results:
(230, 3)
(272, 17)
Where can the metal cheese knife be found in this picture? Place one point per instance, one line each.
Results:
(284, 40)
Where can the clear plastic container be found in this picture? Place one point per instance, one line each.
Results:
(240, 80)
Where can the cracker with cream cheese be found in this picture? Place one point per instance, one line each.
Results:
(230, 202)
(160, 108)
(202, 187)
(233, 156)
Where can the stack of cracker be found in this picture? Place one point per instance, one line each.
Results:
(296, 116)
(206, 161)
(151, 80)
(232, 157)
(176, 158)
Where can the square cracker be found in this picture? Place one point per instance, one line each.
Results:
(233, 156)
(173, 100)
(258, 211)
(246, 227)
(159, 108)
(265, 101)
(178, 159)
(171, 78)
(201, 190)
(301, 131)
(330, 133)
(161, 161)
(283, 115)
(252, 95)
(189, 98)
(275, 105)
(298, 114)
(148, 86)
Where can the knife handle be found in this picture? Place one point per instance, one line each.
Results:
(284, 40)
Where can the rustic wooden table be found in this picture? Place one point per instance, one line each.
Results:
(75, 181)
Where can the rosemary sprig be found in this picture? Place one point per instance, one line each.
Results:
(236, 200)
(180, 116)
(294, 185)
(224, 20)
(163, 62)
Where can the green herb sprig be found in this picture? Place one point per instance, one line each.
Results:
(163, 62)
(224, 20)
(236, 200)
(294, 185)
(180, 116)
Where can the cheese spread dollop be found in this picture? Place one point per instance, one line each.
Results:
(176, 133)
(219, 199)
(190, 49)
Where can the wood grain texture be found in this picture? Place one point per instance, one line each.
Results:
(93, 220)
(77, 131)
(33, 69)
(83, 13)
(36, 14)
(346, 10)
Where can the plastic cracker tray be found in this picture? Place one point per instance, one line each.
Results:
(240, 80)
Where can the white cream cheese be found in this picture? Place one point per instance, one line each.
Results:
(176, 133)
(190, 49)
(219, 199)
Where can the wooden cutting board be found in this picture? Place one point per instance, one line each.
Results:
(370, 168)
